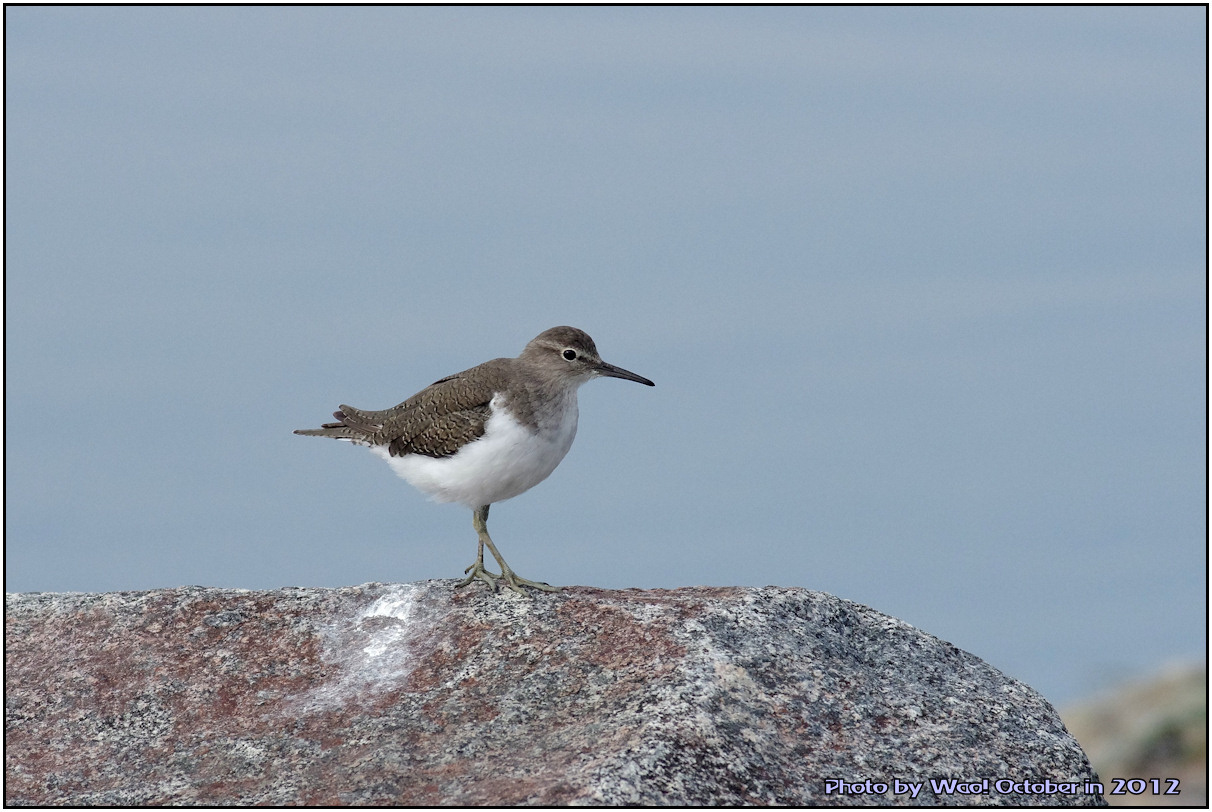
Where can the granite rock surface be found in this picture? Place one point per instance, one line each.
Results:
(418, 694)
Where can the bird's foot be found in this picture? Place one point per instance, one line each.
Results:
(515, 582)
(509, 578)
(479, 573)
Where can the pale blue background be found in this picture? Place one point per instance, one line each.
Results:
(922, 289)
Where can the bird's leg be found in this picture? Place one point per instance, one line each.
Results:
(480, 571)
(512, 580)
(477, 569)
(479, 560)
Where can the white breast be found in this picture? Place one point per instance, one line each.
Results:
(507, 460)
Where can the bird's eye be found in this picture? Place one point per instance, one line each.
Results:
(570, 355)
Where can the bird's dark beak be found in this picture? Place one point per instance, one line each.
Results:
(611, 371)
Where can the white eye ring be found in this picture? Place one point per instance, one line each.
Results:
(569, 355)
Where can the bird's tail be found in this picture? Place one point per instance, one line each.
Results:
(352, 425)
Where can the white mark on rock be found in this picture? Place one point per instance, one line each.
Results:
(398, 607)
(371, 651)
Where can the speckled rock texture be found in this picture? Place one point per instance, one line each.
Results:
(418, 694)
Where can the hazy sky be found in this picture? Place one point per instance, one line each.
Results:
(922, 290)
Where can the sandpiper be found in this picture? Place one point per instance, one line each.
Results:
(486, 434)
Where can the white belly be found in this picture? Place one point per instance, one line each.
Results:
(507, 460)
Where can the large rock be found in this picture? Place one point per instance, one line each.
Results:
(420, 694)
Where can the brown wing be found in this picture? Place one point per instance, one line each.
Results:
(435, 422)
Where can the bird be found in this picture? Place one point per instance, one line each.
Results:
(486, 434)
